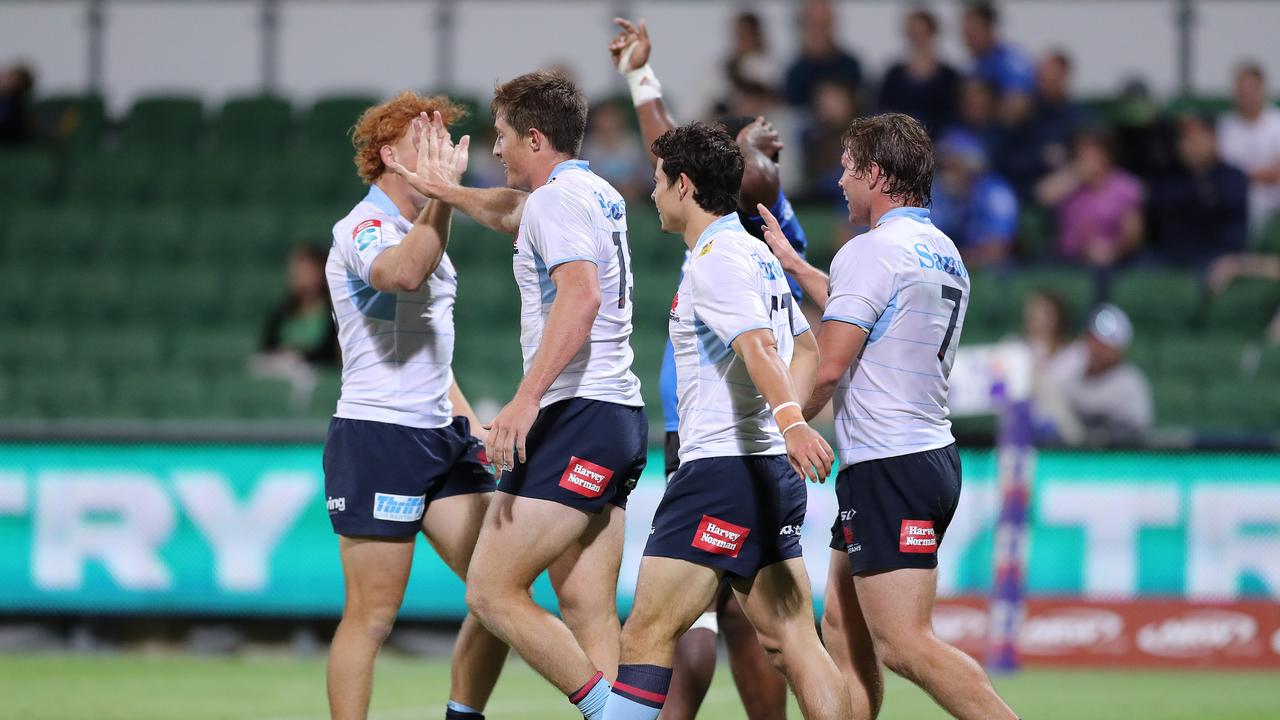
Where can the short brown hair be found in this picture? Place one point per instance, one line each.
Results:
(547, 100)
(385, 124)
(900, 146)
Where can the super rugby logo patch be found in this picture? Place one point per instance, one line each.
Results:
(366, 234)
(585, 478)
(719, 537)
(675, 303)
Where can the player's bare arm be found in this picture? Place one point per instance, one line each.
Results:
(437, 176)
(630, 50)
(406, 266)
(808, 453)
(804, 364)
(568, 326)
(839, 345)
(813, 281)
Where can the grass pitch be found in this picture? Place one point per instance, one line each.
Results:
(132, 686)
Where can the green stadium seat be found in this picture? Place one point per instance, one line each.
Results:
(72, 121)
(214, 352)
(110, 179)
(324, 399)
(26, 349)
(310, 226)
(255, 123)
(1237, 404)
(1213, 105)
(150, 234)
(158, 395)
(1269, 364)
(29, 177)
(1268, 239)
(975, 426)
(252, 294)
(178, 297)
(1177, 403)
(51, 234)
(1200, 358)
(245, 397)
(162, 123)
(1109, 109)
(74, 393)
(985, 319)
(1244, 308)
(117, 349)
(327, 126)
(1159, 301)
(1034, 241)
(96, 296)
(232, 235)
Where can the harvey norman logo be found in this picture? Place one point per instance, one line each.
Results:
(398, 508)
(917, 536)
(719, 537)
(585, 478)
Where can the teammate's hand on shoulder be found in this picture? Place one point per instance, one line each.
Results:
(634, 36)
(508, 431)
(761, 135)
(778, 242)
(809, 453)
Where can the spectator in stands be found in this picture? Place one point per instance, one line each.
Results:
(1227, 269)
(750, 68)
(1058, 115)
(616, 153)
(834, 108)
(1202, 208)
(1096, 397)
(1047, 330)
(1098, 206)
(301, 326)
(1002, 65)
(975, 207)
(922, 85)
(821, 58)
(977, 114)
(1144, 137)
(1249, 138)
(17, 88)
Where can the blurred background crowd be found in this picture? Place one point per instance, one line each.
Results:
(1133, 241)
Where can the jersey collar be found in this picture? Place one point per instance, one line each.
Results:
(724, 222)
(574, 164)
(919, 214)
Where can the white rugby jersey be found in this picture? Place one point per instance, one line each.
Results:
(732, 284)
(902, 282)
(396, 347)
(579, 216)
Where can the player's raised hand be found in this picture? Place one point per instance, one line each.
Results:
(508, 433)
(778, 242)
(809, 453)
(440, 163)
(761, 135)
(630, 47)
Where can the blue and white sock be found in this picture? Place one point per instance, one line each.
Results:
(590, 699)
(457, 711)
(638, 693)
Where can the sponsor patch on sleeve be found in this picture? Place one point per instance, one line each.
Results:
(719, 537)
(917, 536)
(585, 478)
(367, 234)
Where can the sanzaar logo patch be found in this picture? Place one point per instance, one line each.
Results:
(366, 234)
(398, 508)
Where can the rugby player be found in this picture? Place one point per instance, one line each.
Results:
(401, 456)
(763, 690)
(735, 507)
(891, 323)
(574, 438)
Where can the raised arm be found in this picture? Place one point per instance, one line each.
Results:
(630, 50)
(813, 281)
(438, 175)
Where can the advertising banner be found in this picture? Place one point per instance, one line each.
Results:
(223, 529)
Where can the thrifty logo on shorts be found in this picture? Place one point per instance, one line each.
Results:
(719, 537)
(398, 508)
(917, 536)
(585, 478)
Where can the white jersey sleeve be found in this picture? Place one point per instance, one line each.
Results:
(560, 228)
(861, 286)
(726, 296)
(369, 236)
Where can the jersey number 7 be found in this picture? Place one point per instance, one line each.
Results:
(955, 296)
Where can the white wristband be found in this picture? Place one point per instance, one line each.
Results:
(780, 408)
(644, 85)
(793, 425)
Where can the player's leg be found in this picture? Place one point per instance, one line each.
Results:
(898, 607)
(585, 579)
(521, 538)
(762, 688)
(845, 634)
(693, 667)
(778, 603)
(452, 526)
(375, 571)
(670, 595)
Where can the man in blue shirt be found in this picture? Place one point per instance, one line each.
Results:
(971, 204)
(763, 689)
(1004, 66)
